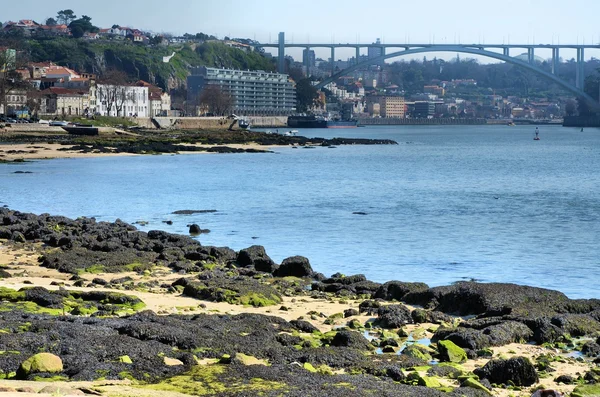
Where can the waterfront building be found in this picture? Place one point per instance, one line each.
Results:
(252, 92)
(59, 101)
(392, 106)
(423, 109)
(121, 100)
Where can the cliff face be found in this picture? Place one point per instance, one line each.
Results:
(141, 62)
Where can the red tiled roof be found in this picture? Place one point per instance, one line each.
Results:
(64, 91)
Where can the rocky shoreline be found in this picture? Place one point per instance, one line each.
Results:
(77, 306)
(151, 142)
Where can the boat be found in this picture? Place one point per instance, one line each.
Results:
(342, 124)
(291, 133)
(309, 121)
(537, 134)
(244, 124)
(81, 129)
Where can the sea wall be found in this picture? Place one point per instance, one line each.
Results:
(579, 121)
(438, 121)
(195, 123)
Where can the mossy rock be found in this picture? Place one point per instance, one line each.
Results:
(310, 368)
(247, 292)
(586, 391)
(415, 351)
(426, 381)
(475, 384)
(449, 351)
(41, 362)
(125, 360)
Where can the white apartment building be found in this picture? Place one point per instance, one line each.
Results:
(121, 101)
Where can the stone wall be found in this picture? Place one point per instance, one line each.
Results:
(213, 123)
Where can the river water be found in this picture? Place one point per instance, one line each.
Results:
(448, 203)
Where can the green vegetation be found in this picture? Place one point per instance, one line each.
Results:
(76, 303)
(105, 121)
(142, 62)
(586, 391)
(213, 379)
(451, 352)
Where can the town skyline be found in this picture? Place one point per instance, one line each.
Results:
(524, 22)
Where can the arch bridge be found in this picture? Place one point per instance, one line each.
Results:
(487, 50)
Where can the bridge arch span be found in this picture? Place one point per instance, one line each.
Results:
(467, 50)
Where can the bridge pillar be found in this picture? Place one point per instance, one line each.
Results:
(581, 66)
(530, 55)
(357, 54)
(555, 61)
(506, 51)
(307, 61)
(281, 53)
(332, 61)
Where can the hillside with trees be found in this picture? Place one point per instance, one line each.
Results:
(141, 62)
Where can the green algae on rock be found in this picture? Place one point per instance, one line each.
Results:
(449, 351)
(41, 362)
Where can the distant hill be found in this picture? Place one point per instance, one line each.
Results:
(143, 62)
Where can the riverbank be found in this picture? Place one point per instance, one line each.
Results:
(23, 146)
(134, 313)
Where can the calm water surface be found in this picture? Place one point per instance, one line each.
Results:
(446, 204)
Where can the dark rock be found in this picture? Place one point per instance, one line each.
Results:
(350, 313)
(195, 229)
(43, 297)
(566, 379)
(296, 266)
(497, 333)
(191, 212)
(395, 373)
(257, 257)
(547, 393)
(4, 274)
(351, 339)
(517, 370)
(369, 307)
(591, 349)
(393, 316)
(18, 237)
(419, 316)
(494, 299)
(346, 280)
(398, 289)
(244, 291)
(304, 326)
(99, 281)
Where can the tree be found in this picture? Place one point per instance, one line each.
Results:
(10, 79)
(80, 26)
(51, 22)
(33, 102)
(307, 96)
(216, 100)
(77, 32)
(65, 17)
(113, 91)
(571, 107)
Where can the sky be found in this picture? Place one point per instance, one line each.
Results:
(349, 21)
